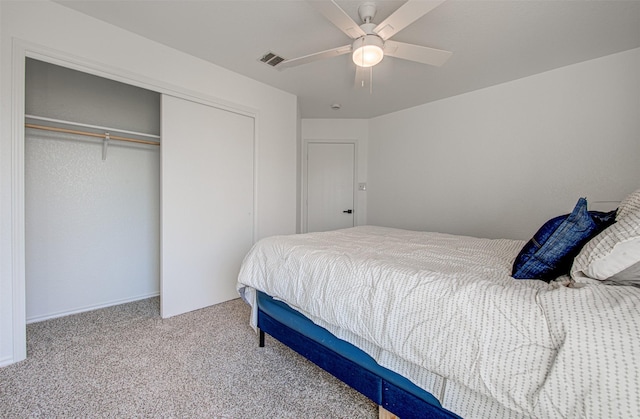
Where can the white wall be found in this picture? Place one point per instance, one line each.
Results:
(498, 162)
(92, 227)
(342, 129)
(51, 29)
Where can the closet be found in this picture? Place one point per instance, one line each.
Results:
(131, 193)
(92, 220)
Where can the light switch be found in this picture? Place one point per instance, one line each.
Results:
(362, 186)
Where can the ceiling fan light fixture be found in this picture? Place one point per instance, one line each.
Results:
(367, 51)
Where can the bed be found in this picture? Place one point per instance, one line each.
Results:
(435, 325)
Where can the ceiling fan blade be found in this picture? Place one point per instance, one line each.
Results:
(417, 53)
(314, 57)
(338, 17)
(363, 77)
(408, 13)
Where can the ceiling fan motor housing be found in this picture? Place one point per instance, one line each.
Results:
(368, 28)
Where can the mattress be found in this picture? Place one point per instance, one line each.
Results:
(436, 307)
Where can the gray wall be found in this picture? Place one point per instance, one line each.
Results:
(62, 93)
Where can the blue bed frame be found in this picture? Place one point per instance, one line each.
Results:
(346, 362)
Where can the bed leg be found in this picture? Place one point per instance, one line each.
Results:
(260, 338)
(385, 414)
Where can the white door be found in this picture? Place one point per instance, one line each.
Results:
(330, 185)
(207, 203)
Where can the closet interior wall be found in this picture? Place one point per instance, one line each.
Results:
(92, 212)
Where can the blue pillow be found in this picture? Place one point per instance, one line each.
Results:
(550, 252)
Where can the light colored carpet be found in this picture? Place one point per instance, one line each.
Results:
(125, 361)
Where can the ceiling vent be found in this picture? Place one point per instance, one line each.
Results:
(271, 59)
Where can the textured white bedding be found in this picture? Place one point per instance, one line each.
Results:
(447, 304)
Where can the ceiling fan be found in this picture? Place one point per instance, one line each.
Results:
(371, 42)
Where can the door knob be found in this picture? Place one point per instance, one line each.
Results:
(348, 211)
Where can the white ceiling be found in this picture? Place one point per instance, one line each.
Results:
(492, 42)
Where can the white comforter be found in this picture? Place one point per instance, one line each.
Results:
(447, 304)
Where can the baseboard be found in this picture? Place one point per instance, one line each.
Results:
(6, 361)
(37, 319)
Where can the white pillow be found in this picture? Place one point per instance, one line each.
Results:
(628, 205)
(610, 252)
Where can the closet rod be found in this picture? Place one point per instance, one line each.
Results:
(91, 134)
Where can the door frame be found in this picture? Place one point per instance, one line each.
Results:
(21, 50)
(304, 178)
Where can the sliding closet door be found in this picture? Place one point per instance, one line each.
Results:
(207, 203)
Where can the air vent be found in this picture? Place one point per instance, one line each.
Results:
(271, 59)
